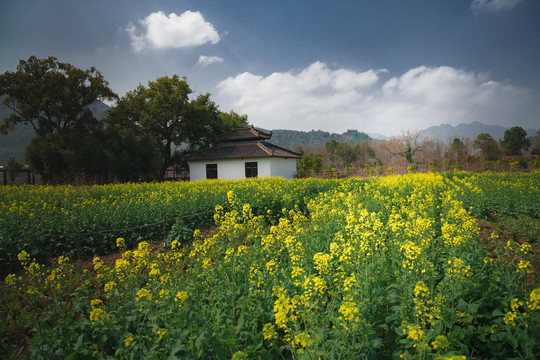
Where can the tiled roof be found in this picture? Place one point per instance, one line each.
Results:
(239, 150)
(244, 134)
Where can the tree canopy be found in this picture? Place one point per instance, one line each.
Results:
(164, 113)
(488, 146)
(137, 137)
(514, 140)
(52, 96)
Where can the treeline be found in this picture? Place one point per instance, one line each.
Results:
(412, 152)
(142, 136)
(292, 138)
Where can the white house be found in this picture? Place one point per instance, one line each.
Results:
(242, 153)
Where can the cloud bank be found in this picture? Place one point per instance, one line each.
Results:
(494, 5)
(161, 31)
(318, 97)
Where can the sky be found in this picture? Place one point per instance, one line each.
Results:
(379, 66)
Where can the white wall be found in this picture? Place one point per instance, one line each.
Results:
(235, 169)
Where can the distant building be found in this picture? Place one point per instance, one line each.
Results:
(242, 153)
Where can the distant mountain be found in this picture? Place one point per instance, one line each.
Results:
(378, 136)
(472, 130)
(292, 138)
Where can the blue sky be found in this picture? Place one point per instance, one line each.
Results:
(377, 66)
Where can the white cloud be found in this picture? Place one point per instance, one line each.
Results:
(494, 5)
(162, 31)
(336, 100)
(208, 60)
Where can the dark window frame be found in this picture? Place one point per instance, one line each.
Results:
(211, 171)
(252, 169)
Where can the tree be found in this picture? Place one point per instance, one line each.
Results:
(163, 112)
(457, 151)
(535, 148)
(331, 147)
(209, 122)
(54, 98)
(13, 167)
(488, 146)
(363, 152)
(310, 162)
(514, 140)
(160, 111)
(406, 147)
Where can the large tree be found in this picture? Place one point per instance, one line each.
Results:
(164, 113)
(514, 140)
(160, 110)
(488, 146)
(54, 98)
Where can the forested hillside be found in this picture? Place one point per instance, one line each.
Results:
(292, 138)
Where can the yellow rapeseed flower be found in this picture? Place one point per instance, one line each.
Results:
(128, 341)
(160, 333)
(534, 303)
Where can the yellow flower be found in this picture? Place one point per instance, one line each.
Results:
(154, 271)
(23, 257)
(143, 294)
(10, 280)
(97, 263)
(181, 296)
(62, 260)
(269, 331)
(303, 340)
(239, 355)
(121, 243)
(96, 302)
(534, 300)
(349, 313)
(441, 342)
(109, 286)
(415, 332)
(524, 266)
(128, 341)
(510, 318)
(97, 314)
(161, 332)
(163, 293)
(515, 304)
(525, 248)
(322, 262)
(421, 290)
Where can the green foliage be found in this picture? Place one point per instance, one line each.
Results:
(43, 220)
(12, 167)
(488, 146)
(290, 139)
(344, 155)
(457, 151)
(52, 96)
(55, 99)
(310, 163)
(387, 268)
(514, 140)
(162, 113)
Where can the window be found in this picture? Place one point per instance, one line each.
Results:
(211, 171)
(251, 169)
